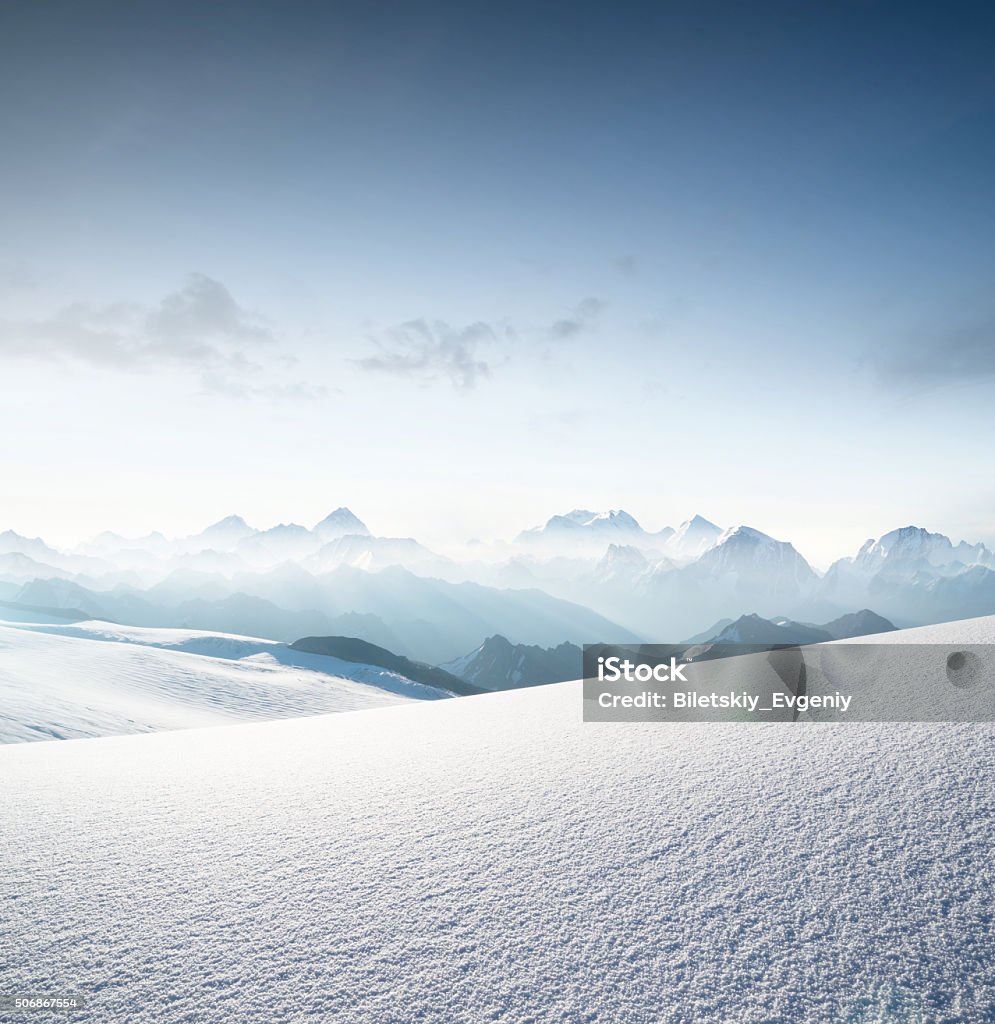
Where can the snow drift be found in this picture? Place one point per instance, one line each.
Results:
(98, 679)
(494, 859)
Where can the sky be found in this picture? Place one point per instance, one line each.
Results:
(463, 266)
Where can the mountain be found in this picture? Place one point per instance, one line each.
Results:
(286, 542)
(225, 535)
(587, 574)
(664, 597)
(373, 553)
(862, 623)
(752, 629)
(914, 545)
(692, 539)
(744, 568)
(20, 568)
(498, 664)
(913, 575)
(746, 559)
(13, 545)
(585, 532)
(340, 523)
(427, 619)
(752, 556)
(621, 563)
(583, 529)
(436, 621)
(108, 542)
(32, 547)
(347, 648)
(474, 859)
(60, 595)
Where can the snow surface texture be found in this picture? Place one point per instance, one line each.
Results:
(493, 859)
(98, 679)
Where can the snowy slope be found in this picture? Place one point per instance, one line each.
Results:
(98, 679)
(494, 859)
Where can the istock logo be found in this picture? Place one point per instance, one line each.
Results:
(611, 670)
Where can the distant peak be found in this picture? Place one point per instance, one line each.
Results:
(698, 527)
(615, 518)
(496, 641)
(739, 532)
(579, 516)
(904, 533)
(618, 516)
(340, 513)
(229, 521)
(341, 522)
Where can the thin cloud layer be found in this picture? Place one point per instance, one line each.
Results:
(204, 308)
(425, 351)
(199, 327)
(582, 319)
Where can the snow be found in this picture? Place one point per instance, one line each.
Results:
(494, 859)
(693, 538)
(99, 679)
(459, 665)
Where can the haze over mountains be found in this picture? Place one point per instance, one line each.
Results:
(581, 577)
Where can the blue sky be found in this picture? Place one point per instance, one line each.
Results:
(463, 266)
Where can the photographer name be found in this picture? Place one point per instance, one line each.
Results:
(743, 701)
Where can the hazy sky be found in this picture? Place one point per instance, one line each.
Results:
(462, 266)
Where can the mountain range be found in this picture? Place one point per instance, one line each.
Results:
(753, 630)
(423, 618)
(582, 576)
(498, 664)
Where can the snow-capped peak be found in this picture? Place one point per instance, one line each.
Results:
(230, 523)
(584, 529)
(230, 528)
(340, 523)
(907, 542)
(579, 518)
(693, 538)
(15, 543)
(915, 544)
(744, 534)
(749, 553)
(616, 519)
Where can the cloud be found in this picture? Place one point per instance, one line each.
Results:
(582, 319)
(426, 351)
(203, 309)
(961, 354)
(199, 327)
